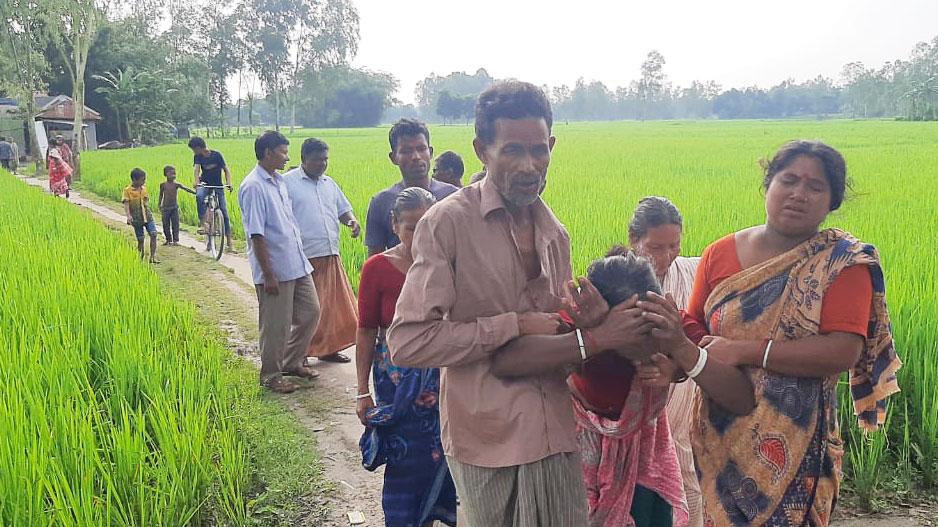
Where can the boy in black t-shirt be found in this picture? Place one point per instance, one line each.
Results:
(208, 165)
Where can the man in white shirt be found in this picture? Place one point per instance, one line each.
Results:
(319, 206)
(286, 296)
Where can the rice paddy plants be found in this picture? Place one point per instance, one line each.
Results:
(112, 402)
(710, 170)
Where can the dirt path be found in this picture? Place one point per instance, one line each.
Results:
(327, 408)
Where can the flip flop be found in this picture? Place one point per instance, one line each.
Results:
(302, 372)
(336, 357)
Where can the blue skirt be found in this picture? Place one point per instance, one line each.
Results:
(404, 434)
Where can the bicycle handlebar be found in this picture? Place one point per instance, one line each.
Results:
(212, 186)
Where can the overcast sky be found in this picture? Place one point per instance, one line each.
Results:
(737, 43)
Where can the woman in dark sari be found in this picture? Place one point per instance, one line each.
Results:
(793, 306)
(401, 416)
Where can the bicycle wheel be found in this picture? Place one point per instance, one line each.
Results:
(217, 235)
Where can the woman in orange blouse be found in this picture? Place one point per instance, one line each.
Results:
(793, 306)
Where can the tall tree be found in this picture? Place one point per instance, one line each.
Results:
(140, 97)
(270, 41)
(457, 83)
(325, 35)
(223, 59)
(23, 63)
(651, 87)
(73, 26)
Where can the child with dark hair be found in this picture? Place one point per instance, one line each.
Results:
(630, 464)
(449, 168)
(628, 459)
(169, 206)
(137, 208)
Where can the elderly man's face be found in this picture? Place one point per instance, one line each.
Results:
(517, 159)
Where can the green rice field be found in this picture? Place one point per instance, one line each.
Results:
(710, 170)
(117, 407)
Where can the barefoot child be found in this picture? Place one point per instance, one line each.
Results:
(137, 207)
(169, 207)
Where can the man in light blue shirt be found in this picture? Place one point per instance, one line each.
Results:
(286, 296)
(319, 206)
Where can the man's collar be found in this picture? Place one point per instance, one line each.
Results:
(311, 178)
(491, 199)
(264, 173)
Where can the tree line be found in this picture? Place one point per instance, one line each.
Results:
(904, 88)
(155, 68)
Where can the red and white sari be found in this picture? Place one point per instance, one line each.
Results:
(59, 172)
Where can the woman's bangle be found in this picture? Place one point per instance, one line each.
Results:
(765, 355)
(701, 363)
(582, 346)
(362, 396)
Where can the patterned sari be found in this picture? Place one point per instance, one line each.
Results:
(404, 433)
(781, 465)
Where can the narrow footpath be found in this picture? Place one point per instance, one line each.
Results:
(327, 409)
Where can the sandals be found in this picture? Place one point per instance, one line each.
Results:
(302, 372)
(281, 386)
(336, 357)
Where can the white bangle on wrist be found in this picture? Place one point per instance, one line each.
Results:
(579, 341)
(701, 363)
(765, 355)
(362, 396)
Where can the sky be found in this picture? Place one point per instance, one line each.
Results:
(736, 43)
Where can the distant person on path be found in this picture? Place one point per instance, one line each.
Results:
(169, 206)
(60, 172)
(68, 156)
(411, 153)
(402, 414)
(793, 306)
(66, 150)
(491, 268)
(15, 162)
(208, 166)
(319, 206)
(288, 306)
(136, 202)
(6, 153)
(449, 168)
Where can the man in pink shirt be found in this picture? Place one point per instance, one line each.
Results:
(491, 267)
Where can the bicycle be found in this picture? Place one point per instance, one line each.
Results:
(214, 227)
